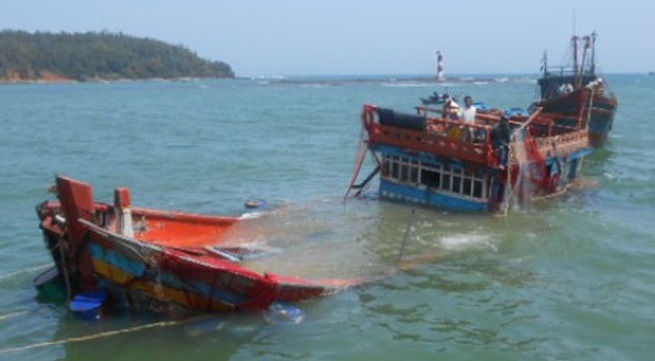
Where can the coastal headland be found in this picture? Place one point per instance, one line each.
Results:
(72, 57)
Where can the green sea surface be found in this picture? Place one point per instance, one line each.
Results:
(566, 278)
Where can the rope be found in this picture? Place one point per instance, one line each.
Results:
(359, 161)
(532, 117)
(13, 314)
(37, 268)
(92, 337)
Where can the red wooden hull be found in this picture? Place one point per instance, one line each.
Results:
(161, 259)
(598, 112)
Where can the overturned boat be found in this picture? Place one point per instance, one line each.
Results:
(144, 258)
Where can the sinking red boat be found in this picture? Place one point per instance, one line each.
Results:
(154, 259)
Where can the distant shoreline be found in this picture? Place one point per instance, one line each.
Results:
(310, 79)
(64, 80)
(46, 77)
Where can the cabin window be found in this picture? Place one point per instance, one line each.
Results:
(404, 170)
(460, 181)
(466, 185)
(464, 182)
(445, 181)
(413, 172)
(400, 169)
(430, 177)
(395, 168)
(477, 188)
(457, 184)
(385, 167)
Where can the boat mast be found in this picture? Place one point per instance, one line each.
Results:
(593, 53)
(574, 40)
(583, 62)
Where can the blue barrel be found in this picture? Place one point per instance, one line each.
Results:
(88, 305)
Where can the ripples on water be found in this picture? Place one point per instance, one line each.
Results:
(566, 278)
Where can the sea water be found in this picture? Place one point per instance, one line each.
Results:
(566, 278)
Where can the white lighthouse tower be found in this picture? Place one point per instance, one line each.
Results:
(440, 76)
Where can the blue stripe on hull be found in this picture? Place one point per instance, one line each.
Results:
(118, 260)
(138, 269)
(428, 197)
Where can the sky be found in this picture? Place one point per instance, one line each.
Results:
(347, 37)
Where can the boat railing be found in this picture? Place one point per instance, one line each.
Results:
(563, 71)
(426, 111)
(481, 115)
(554, 134)
(559, 71)
(450, 138)
(553, 124)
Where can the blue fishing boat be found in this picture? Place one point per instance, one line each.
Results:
(435, 99)
(433, 161)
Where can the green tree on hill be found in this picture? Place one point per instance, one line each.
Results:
(92, 55)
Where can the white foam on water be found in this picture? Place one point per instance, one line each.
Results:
(467, 241)
(251, 215)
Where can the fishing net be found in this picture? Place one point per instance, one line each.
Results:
(530, 178)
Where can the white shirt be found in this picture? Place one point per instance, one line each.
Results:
(468, 114)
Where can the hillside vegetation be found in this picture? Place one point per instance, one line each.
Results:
(98, 56)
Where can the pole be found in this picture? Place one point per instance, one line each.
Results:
(409, 225)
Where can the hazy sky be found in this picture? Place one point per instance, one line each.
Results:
(314, 37)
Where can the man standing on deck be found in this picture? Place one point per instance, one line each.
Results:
(469, 112)
(450, 108)
(500, 134)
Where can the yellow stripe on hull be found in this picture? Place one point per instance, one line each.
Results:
(158, 291)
